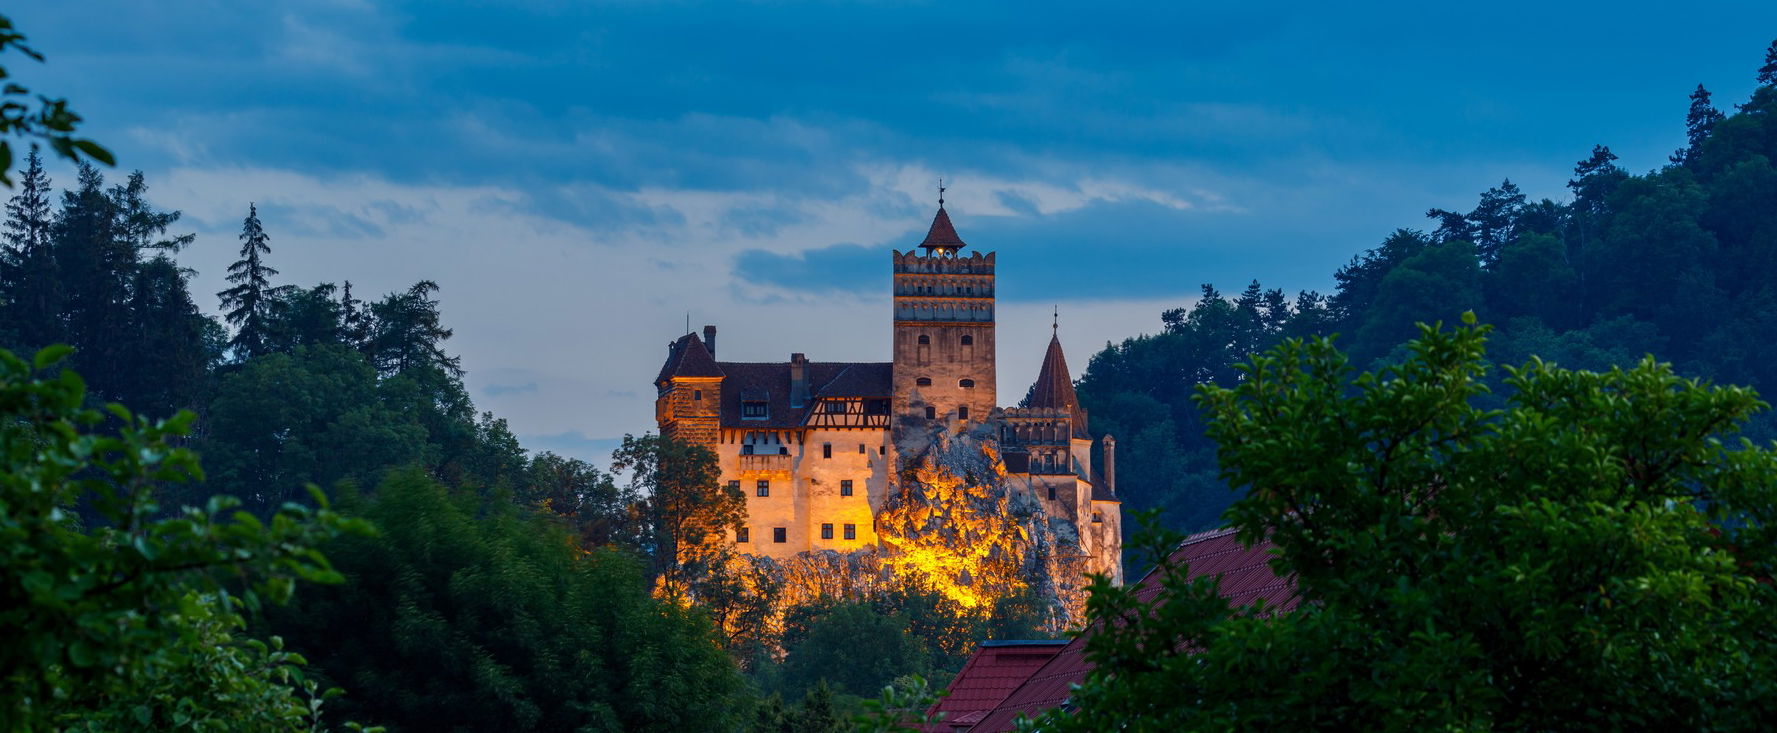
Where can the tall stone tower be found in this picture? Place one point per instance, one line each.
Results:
(944, 333)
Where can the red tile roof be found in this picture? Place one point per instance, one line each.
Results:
(996, 668)
(942, 235)
(1245, 577)
(1055, 387)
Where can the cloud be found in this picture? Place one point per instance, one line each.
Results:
(498, 390)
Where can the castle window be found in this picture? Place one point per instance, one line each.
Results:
(851, 531)
(924, 339)
(753, 410)
(923, 381)
(845, 487)
(834, 407)
(968, 340)
(697, 394)
(746, 449)
(1097, 517)
(826, 450)
(780, 535)
(762, 487)
(931, 412)
(860, 449)
(1051, 493)
(734, 486)
(742, 535)
(966, 383)
(962, 412)
(826, 531)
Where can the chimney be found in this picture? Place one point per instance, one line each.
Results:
(798, 380)
(1110, 464)
(709, 339)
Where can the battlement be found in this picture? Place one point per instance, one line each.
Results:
(912, 263)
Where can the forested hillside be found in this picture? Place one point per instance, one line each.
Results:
(1679, 262)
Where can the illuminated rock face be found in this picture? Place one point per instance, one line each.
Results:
(858, 472)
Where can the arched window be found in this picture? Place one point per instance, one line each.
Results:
(923, 381)
(966, 383)
(968, 340)
(924, 339)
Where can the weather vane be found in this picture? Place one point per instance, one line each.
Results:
(940, 193)
(1055, 325)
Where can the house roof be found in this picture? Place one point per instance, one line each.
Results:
(686, 356)
(1055, 386)
(942, 235)
(1246, 577)
(994, 670)
(770, 382)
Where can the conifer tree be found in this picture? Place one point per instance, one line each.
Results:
(139, 224)
(95, 268)
(28, 277)
(1698, 122)
(1767, 74)
(248, 303)
(354, 319)
(1495, 220)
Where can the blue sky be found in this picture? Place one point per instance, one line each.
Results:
(579, 175)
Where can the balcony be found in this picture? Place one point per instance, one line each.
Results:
(765, 463)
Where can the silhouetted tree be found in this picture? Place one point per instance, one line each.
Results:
(248, 304)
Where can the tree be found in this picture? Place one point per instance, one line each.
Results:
(1442, 280)
(248, 304)
(49, 120)
(33, 304)
(1461, 568)
(135, 622)
(409, 333)
(1698, 122)
(139, 224)
(1495, 220)
(1767, 74)
(467, 613)
(854, 648)
(687, 514)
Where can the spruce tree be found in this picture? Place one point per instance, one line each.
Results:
(1698, 122)
(139, 224)
(32, 302)
(1767, 74)
(247, 305)
(354, 318)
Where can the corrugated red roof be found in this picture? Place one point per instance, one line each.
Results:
(995, 669)
(1245, 577)
(942, 235)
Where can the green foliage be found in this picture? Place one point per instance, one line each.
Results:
(1464, 568)
(133, 621)
(854, 648)
(469, 614)
(900, 708)
(46, 119)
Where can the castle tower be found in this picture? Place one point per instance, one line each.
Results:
(688, 392)
(944, 333)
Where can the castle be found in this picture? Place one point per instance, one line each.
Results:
(816, 446)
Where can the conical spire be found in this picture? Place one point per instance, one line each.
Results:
(942, 237)
(1055, 387)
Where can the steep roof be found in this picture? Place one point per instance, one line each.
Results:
(1245, 577)
(942, 235)
(687, 357)
(993, 671)
(1055, 386)
(770, 382)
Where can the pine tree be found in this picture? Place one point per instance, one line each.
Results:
(138, 222)
(354, 318)
(1767, 74)
(247, 305)
(28, 279)
(1698, 122)
(409, 333)
(96, 267)
(1495, 220)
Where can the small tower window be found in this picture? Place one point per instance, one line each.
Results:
(826, 531)
(742, 535)
(924, 339)
(763, 487)
(923, 381)
(845, 487)
(851, 531)
(962, 412)
(968, 340)
(826, 450)
(860, 449)
(966, 384)
(697, 394)
(1051, 493)
(734, 486)
(780, 535)
(931, 412)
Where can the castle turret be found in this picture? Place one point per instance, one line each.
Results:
(944, 328)
(687, 403)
